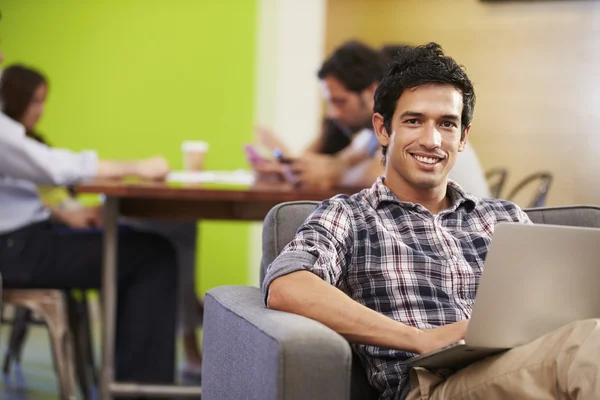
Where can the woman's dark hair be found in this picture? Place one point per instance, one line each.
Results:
(356, 65)
(416, 66)
(17, 87)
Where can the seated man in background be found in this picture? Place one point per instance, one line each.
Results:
(395, 268)
(36, 252)
(349, 78)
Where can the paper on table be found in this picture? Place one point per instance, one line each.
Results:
(238, 177)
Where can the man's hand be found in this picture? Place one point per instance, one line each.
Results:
(269, 167)
(89, 217)
(318, 170)
(433, 339)
(155, 168)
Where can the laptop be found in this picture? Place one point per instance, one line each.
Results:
(536, 279)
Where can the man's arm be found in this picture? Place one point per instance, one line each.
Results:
(303, 280)
(355, 165)
(352, 168)
(315, 145)
(305, 294)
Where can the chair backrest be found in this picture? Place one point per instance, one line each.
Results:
(282, 222)
(585, 216)
(543, 179)
(280, 227)
(496, 178)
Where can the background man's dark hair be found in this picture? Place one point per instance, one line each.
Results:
(390, 51)
(356, 65)
(416, 66)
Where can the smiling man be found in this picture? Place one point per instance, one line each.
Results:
(395, 268)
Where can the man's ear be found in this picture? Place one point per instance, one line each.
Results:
(382, 135)
(463, 141)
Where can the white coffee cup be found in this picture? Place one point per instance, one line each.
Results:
(193, 154)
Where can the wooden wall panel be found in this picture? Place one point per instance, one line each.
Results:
(536, 70)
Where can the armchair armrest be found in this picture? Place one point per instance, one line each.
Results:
(252, 352)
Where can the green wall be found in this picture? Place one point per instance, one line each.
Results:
(134, 78)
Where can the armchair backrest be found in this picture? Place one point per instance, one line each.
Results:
(280, 227)
(585, 216)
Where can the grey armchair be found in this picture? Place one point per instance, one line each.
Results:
(253, 353)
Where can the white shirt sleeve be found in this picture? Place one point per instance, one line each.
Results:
(24, 158)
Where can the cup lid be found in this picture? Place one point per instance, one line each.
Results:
(194, 145)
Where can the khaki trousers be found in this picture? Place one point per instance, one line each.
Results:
(560, 365)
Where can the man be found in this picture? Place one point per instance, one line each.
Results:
(348, 80)
(395, 268)
(36, 251)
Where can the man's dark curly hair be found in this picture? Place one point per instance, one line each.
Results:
(416, 66)
(356, 65)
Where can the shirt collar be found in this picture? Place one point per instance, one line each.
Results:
(10, 126)
(379, 193)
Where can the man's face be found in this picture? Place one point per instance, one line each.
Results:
(425, 137)
(350, 109)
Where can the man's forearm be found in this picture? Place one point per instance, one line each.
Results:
(305, 294)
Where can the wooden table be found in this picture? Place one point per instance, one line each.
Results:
(188, 202)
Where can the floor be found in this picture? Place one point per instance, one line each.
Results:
(34, 379)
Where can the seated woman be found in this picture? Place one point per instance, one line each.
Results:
(22, 97)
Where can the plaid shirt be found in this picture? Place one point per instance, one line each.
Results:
(400, 260)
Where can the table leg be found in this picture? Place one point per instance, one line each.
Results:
(109, 296)
(108, 386)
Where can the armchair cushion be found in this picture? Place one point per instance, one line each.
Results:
(253, 352)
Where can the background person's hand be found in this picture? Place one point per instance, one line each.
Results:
(436, 338)
(154, 168)
(87, 217)
(318, 170)
(269, 167)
